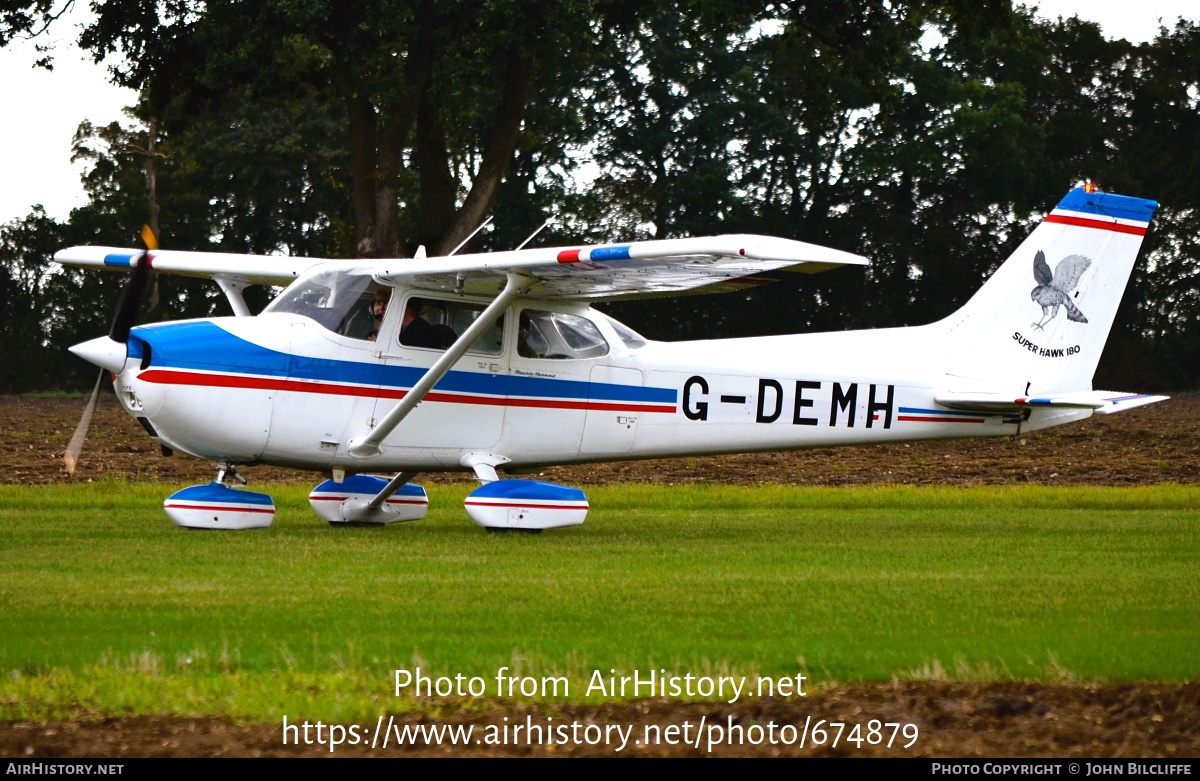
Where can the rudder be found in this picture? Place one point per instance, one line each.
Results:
(1039, 324)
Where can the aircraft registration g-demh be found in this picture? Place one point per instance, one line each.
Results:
(497, 361)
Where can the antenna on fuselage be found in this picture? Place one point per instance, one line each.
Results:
(463, 243)
(536, 232)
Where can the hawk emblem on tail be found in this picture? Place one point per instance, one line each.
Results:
(1055, 290)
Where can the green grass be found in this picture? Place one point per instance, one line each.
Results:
(107, 608)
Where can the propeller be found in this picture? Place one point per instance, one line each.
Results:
(118, 334)
(131, 297)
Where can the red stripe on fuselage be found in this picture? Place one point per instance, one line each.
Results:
(940, 420)
(169, 377)
(1083, 222)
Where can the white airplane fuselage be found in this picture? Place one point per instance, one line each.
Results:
(496, 361)
(281, 389)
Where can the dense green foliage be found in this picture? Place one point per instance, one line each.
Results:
(122, 612)
(928, 135)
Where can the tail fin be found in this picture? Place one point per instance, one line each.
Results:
(1040, 322)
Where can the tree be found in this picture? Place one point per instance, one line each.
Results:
(926, 134)
(432, 97)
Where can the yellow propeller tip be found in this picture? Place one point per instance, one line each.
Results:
(148, 237)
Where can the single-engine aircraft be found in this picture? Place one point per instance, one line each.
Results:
(481, 362)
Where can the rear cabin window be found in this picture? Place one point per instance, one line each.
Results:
(555, 336)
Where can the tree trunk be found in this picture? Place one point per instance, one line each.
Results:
(386, 240)
(439, 190)
(377, 141)
(363, 155)
(498, 156)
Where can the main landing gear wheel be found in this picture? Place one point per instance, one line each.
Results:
(217, 506)
(367, 500)
(526, 506)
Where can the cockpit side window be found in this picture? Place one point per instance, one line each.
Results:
(435, 324)
(557, 336)
(343, 301)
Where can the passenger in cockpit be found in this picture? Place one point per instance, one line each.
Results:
(415, 331)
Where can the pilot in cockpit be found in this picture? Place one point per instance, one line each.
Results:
(378, 309)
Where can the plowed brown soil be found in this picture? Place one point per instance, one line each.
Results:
(1153, 444)
(1159, 443)
(952, 719)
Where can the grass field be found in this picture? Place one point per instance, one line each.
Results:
(107, 608)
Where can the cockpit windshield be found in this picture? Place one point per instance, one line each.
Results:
(338, 299)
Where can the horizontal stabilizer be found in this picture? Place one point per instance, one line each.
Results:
(1102, 402)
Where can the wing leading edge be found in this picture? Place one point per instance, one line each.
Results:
(643, 268)
(598, 272)
(255, 269)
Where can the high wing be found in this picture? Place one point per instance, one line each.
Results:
(663, 267)
(254, 269)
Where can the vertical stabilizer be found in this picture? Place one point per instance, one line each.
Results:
(1040, 322)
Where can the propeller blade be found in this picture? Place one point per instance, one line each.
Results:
(149, 238)
(71, 457)
(131, 298)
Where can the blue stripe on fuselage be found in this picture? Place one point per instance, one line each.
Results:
(204, 346)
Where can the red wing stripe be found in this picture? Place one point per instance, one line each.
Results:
(1083, 222)
(219, 507)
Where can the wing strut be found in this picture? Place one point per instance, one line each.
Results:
(232, 287)
(392, 487)
(358, 509)
(365, 447)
